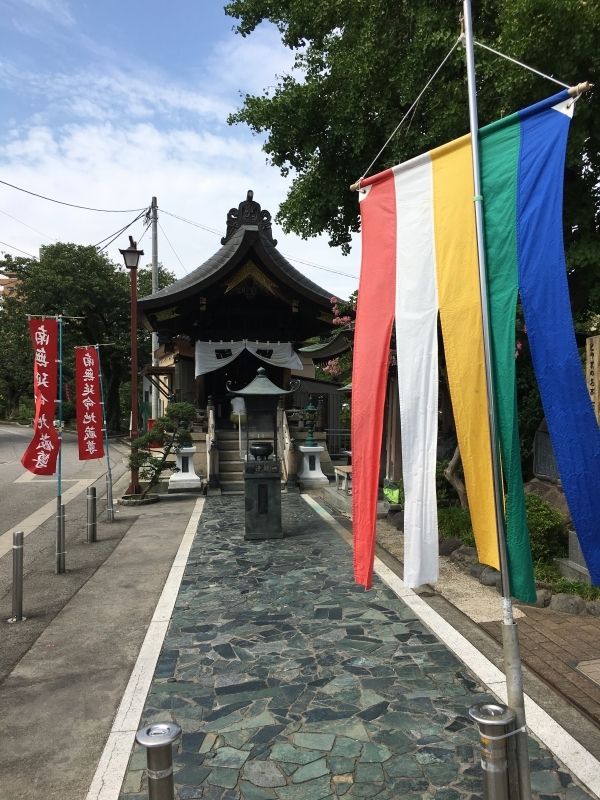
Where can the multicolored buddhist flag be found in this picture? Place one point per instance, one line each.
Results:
(420, 260)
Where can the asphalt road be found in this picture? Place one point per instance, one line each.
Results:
(28, 503)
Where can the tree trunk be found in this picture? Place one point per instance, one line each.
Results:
(452, 476)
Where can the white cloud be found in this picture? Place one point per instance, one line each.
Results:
(199, 176)
(113, 137)
(57, 9)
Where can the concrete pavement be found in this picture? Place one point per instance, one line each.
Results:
(59, 701)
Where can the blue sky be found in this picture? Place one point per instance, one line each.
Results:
(108, 102)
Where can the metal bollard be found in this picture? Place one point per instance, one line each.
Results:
(110, 510)
(17, 587)
(60, 540)
(158, 740)
(91, 526)
(495, 722)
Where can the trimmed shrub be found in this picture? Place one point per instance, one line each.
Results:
(547, 530)
(456, 521)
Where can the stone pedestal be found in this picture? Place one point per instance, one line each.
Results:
(574, 566)
(262, 500)
(310, 473)
(185, 479)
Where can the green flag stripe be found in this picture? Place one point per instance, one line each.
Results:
(500, 144)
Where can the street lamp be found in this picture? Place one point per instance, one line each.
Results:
(131, 256)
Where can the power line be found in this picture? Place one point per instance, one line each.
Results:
(191, 222)
(118, 233)
(73, 205)
(18, 249)
(35, 230)
(173, 249)
(292, 258)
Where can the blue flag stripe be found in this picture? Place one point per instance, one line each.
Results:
(573, 428)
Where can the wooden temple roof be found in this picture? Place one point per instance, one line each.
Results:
(249, 264)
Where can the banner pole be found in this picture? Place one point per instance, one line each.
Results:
(510, 641)
(60, 529)
(110, 511)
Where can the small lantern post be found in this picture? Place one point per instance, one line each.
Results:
(311, 475)
(262, 465)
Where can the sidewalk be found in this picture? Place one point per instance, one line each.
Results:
(292, 683)
(58, 703)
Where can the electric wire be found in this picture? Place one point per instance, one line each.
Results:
(72, 205)
(191, 222)
(521, 64)
(35, 230)
(291, 258)
(144, 232)
(187, 272)
(113, 236)
(18, 249)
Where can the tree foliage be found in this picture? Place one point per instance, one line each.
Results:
(361, 63)
(93, 295)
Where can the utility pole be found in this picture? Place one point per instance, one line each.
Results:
(154, 219)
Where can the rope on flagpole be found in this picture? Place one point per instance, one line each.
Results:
(356, 186)
(521, 64)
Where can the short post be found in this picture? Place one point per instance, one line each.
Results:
(60, 540)
(91, 514)
(17, 587)
(496, 724)
(110, 509)
(158, 740)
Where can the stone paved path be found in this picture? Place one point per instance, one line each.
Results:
(292, 683)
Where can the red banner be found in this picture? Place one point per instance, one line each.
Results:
(88, 403)
(40, 457)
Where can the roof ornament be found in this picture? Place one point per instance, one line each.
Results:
(248, 213)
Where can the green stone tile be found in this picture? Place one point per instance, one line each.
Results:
(190, 775)
(248, 791)
(369, 773)
(314, 741)
(229, 757)
(312, 790)
(294, 755)
(310, 771)
(341, 765)
(403, 767)
(545, 782)
(441, 774)
(220, 776)
(375, 752)
(346, 747)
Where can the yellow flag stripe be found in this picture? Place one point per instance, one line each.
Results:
(462, 330)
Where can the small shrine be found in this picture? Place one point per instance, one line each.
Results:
(245, 307)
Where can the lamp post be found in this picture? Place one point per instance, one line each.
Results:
(131, 256)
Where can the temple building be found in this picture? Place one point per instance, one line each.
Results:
(245, 307)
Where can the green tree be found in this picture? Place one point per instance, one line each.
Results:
(361, 63)
(84, 285)
(15, 369)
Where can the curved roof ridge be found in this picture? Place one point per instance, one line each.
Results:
(223, 255)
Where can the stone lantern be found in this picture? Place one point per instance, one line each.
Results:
(262, 464)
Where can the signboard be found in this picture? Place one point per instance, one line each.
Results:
(592, 371)
(40, 457)
(88, 403)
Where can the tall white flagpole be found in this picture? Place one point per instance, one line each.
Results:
(510, 639)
